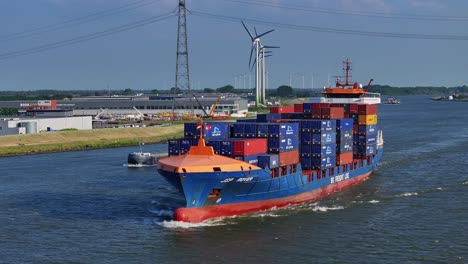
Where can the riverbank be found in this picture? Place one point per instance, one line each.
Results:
(85, 139)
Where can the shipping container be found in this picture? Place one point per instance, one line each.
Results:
(367, 130)
(367, 109)
(283, 130)
(191, 130)
(173, 147)
(250, 130)
(307, 107)
(332, 113)
(226, 147)
(353, 109)
(281, 109)
(318, 125)
(270, 160)
(324, 138)
(267, 117)
(250, 120)
(215, 143)
(288, 158)
(296, 116)
(262, 130)
(317, 163)
(278, 145)
(316, 113)
(345, 146)
(305, 138)
(245, 147)
(367, 139)
(185, 144)
(251, 159)
(344, 124)
(361, 151)
(355, 118)
(318, 150)
(238, 130)
(298, 108)
(367, 120)
(344, 158)
(217, 130)
(344, 135)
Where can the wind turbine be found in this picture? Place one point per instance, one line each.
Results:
(259, 64)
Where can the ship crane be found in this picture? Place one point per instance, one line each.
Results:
(141, 115)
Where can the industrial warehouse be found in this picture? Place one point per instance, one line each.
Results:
(79, 113)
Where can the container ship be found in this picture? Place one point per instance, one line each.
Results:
(289, 156)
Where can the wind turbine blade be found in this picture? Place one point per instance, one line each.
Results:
(261, 35)
(247, 31)
(269, 55)
(251, 53)
(255, 30)
(253, 64)
(271, 47)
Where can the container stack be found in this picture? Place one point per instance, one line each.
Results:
(317, 135)
(365, 131)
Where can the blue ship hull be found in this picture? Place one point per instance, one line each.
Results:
(218, 194)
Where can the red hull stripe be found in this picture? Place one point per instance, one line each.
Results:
(200, 214)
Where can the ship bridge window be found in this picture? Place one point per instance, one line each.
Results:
(216, 169)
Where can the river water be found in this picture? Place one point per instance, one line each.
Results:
(87, 207)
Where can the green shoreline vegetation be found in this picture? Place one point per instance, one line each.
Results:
(74, 140)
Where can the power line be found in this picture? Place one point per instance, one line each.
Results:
(361, 13)
(87, 37)
(333, 30)
(78, 20)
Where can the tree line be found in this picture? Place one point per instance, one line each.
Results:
(281, 91)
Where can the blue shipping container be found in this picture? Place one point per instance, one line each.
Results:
(268, 117)
(173, 147)
(323, 150)
(344, 135)
(262, 130)
(365, 150)
(319, 126)
(271, 160)
(277, 145)
(251, 159)
(307, 107)
(317, 163)
(216, 144)
(283, 130)
(238, 130)
(344, 124)
(367, 139)
(226, 147)
(367, 130)
(344, 146)
(190, 130)
(250, 130)
(217, 130)
(324, 138)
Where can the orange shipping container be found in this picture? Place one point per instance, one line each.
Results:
(367, 120)
(344, 158)
(289, 158)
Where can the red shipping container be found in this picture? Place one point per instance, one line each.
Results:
(316, 113)
(298, 108)
(353, 108)
(289, 158)
(336, 105)
(367, 109)
(248, 147)
(356, 129)
(281, 109)
(333, 113)
(344, 158)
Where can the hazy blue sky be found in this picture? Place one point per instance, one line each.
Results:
(34, 38)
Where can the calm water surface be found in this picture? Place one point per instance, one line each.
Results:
(87, 207)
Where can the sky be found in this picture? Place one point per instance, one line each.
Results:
(120, 44)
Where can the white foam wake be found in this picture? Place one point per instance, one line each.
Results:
(185, 225)
(408, 194)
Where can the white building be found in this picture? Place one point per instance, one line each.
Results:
(15, 126)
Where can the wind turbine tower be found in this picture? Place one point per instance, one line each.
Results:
(182, 81)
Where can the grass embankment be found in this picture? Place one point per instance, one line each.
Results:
(85, 139)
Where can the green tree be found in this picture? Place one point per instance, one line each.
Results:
(285, 91)
(208, 90)
(226, 89)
